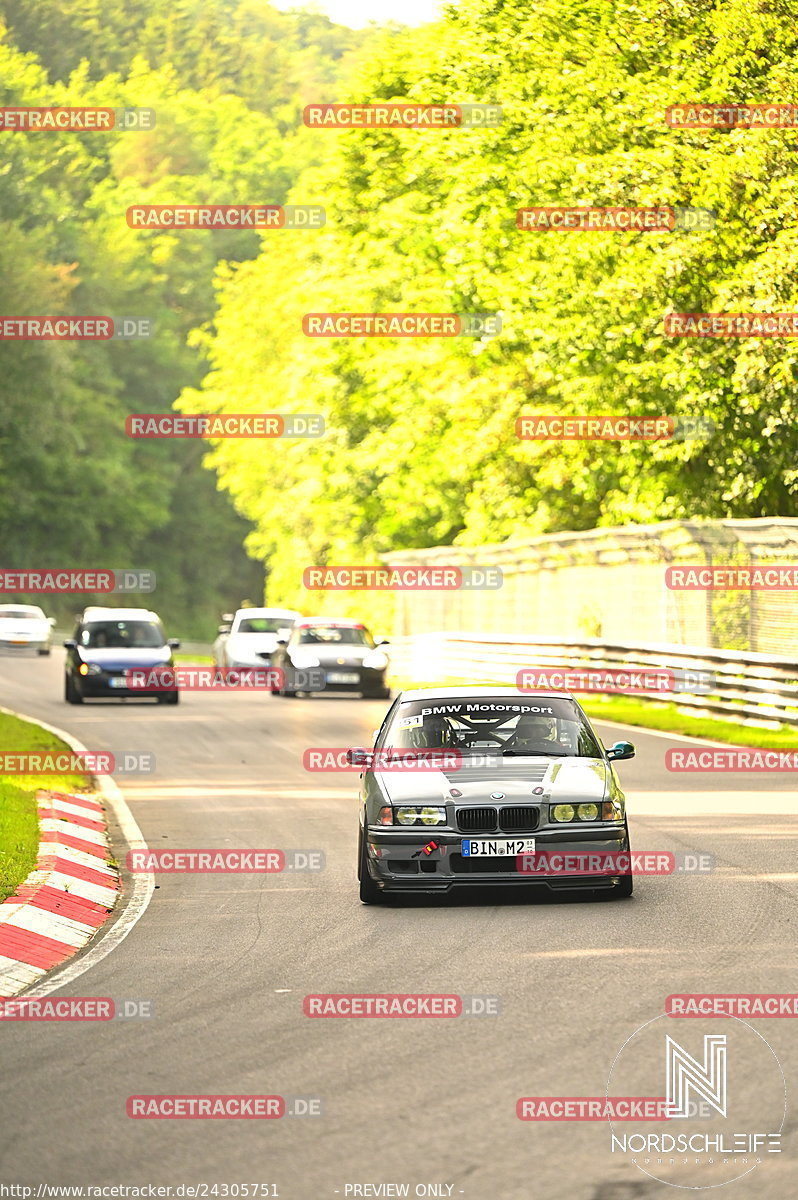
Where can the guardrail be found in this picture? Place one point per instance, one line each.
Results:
(754, 689)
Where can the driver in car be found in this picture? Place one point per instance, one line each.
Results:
(534, 734)
(435, 732)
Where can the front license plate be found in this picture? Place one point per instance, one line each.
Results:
(117, 681)
(343, 677)
(484, 847)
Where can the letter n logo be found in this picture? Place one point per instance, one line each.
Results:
(684, 1074)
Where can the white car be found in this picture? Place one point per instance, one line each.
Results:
(25, 627)
(251, 639)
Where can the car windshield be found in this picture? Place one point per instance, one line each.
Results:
(21, 614)
(333, 635)
(262, 624)
(116, 635)
(530, 725)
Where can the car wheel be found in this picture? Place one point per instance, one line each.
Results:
(72, 694)
(169, 698)
(369, 892)
(44, 650)
(382, 694)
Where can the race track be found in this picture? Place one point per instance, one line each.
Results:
(226, 960)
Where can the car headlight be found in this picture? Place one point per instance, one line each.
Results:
(563, 812)
(303, 660)
(89, 669)
(430, 815)
(376, 660)
(587, 812)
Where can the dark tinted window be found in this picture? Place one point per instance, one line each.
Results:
(530, 725)
(116, 635)
(333, 635)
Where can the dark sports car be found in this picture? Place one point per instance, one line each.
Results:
(490, 786)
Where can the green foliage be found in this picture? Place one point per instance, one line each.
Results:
(74, 490)
(422, 448)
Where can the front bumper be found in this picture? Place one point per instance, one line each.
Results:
(95, 687)
(317, 679)
(395, 864)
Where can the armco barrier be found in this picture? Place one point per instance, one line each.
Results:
(755, 689)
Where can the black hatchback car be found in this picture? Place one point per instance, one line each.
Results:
(110, 642)
(486, 787)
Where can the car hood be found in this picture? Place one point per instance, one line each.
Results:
(122, 658)
(563, 780)
(26, 628)
(349, 654)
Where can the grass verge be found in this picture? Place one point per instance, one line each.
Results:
(19, 825)
(650, 714)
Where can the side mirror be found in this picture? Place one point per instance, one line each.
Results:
(173, 643)
(382, 641)
(223, 629)
(621, 750)
(360, 757)
(71, 644)
(282, 641)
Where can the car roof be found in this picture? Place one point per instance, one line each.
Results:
(477, 693)
(20, 608)
(97, 613)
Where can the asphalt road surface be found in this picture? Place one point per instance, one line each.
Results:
(227, 959)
